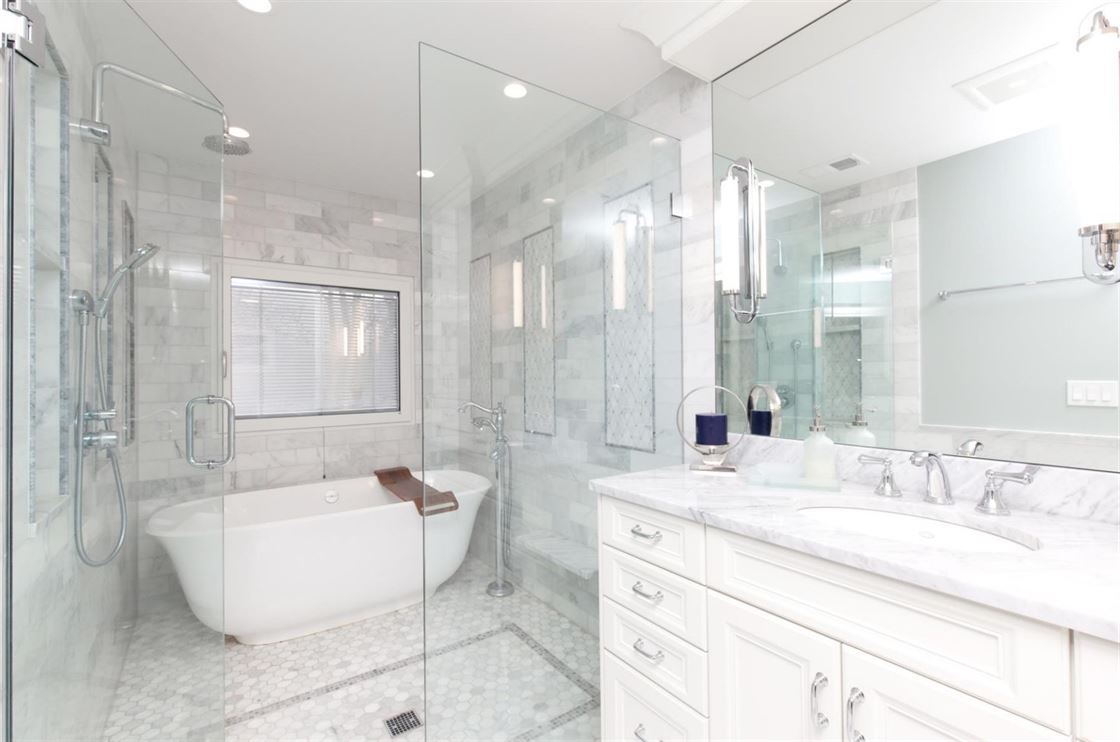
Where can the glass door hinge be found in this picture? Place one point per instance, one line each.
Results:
(23, 29)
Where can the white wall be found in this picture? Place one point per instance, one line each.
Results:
(1000, 359)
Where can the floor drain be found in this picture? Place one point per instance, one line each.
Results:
(402, 723)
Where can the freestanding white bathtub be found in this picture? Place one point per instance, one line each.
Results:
(303, 559)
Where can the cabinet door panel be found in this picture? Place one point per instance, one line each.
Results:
(886, 702)
(764, 674)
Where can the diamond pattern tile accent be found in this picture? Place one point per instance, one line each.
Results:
(629, 323)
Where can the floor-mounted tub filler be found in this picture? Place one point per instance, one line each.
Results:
(312, 557)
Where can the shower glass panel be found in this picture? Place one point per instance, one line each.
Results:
(100, 642)
(578, 338)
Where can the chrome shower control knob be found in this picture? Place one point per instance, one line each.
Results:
(101, 439)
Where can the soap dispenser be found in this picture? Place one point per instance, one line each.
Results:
(819, 453)
(859, 433)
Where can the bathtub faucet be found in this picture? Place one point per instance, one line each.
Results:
(495, 420)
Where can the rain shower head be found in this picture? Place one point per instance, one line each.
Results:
(226, 144)
(138, 258)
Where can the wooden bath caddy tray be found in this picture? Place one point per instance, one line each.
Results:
(428, 500)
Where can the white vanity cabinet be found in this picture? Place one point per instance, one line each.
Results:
(796, 647)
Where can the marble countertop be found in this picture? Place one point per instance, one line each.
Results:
(1072, 581)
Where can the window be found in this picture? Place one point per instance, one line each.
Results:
(311, 347)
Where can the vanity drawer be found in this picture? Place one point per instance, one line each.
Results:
(665, 540)
(635, 709)
(1014, 662)
(671, 602)
(1096, 674)
(672, 663)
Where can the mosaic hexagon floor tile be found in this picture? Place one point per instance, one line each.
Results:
(497, 669)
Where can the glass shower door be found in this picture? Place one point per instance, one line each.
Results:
(551, 283)
(113, 277)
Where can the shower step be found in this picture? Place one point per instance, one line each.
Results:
(570, 555)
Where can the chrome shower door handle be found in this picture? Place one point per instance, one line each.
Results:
(851, 733)
(229, 447)
(819, 719)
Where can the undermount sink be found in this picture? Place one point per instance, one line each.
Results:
(920, 530)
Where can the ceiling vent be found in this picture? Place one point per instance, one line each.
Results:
(1032, 73)
(837, 165)
(844, 163)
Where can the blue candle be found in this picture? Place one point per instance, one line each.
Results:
(711, 429)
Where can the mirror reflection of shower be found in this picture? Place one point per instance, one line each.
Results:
(92, 424)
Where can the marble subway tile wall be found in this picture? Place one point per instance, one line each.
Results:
(269, 220)
(70, 622)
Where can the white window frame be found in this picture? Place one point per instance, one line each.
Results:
(403, 285)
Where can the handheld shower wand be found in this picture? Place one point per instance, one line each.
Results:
(101, 437)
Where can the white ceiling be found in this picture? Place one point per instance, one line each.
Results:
(329, 89)
(890, 97)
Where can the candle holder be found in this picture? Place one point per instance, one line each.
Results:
(712, 458)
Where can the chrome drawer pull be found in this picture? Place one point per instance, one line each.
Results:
(656, 597)
(637, 532)
(640, 733)
(652, 657)
(853, 735)
(819, 682)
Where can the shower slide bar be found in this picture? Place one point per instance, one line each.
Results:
(944, 295)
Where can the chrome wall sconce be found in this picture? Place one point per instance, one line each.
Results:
(743, 232)
(1097, 126)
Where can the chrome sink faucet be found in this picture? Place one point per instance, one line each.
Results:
(992, 503)
(937, 495)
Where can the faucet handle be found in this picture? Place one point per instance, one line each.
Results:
(992, 503)
(887, 487)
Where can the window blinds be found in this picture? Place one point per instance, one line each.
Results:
(307, 349)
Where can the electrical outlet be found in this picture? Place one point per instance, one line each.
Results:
(1093, 393)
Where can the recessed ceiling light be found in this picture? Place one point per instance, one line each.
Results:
(766, 183)
(515, 90)
(548, 200)
(237, 131)
(425, 174)
(257, 6)
(658, 141)
(377, 220)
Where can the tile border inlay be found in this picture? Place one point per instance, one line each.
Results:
(508, 627)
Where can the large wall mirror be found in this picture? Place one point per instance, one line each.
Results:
(929, 167)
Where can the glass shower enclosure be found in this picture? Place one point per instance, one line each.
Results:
(551, 280)
(112, 211)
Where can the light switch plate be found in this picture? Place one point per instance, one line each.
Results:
(1092, 393)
